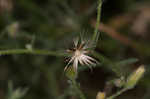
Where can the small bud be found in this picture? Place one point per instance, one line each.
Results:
(29, 47)
(119, 82)
(71, 73)
(101, 95)
(13, 29)
(135, 77)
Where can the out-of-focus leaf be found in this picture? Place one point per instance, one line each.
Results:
(17, 93)
(127, 61)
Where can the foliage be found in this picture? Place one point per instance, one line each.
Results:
(33, 36)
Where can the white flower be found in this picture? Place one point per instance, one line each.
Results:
(79, 54)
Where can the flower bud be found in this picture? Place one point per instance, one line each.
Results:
(135, 77)
(71, 73)
(119, 82)
(101, 95)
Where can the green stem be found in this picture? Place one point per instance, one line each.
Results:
(27, 51)
(96, 34)
(75, 85)
(117, 94)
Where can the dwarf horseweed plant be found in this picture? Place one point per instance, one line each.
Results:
(80, 54)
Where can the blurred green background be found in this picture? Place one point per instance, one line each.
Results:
(52, 24)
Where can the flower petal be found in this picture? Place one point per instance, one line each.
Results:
(75, 64)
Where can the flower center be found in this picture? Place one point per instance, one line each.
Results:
(77, 53)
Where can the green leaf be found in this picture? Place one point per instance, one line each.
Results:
(127, 61)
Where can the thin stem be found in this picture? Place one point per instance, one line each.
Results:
(27, 51)
(96, 34)
(75, 85)
(118, 93)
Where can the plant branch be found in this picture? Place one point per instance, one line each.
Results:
(75, 85)
(34, 51)
(118, 93)
(96, 34)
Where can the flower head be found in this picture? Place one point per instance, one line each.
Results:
(79, 54)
